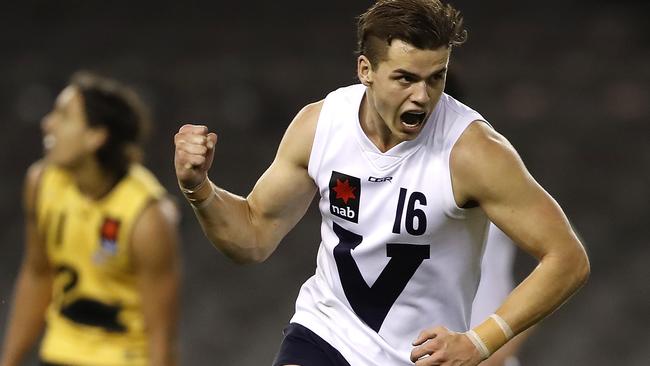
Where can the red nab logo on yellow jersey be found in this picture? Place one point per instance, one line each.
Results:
(110, 229)
(345, 193)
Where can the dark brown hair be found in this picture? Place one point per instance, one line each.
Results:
(114, 106)
(425, 24)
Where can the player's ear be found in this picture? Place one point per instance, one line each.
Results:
(95, 138)
(364, 70)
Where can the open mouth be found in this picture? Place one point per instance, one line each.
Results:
(412, 119)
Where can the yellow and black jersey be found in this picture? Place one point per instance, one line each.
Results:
(95, 316)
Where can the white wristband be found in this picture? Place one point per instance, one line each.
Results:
(478, 343)
(503, 325)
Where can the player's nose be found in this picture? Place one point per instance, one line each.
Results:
(420, 93)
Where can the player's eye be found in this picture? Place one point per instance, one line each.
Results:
(438, 76)
(406, 79)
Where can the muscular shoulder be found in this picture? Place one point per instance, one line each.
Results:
(155, 234)
(480, 162)
(31, 184)
(309, 113)
(298, 139)
(159, 213)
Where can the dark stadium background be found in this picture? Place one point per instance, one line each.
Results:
(566, 81)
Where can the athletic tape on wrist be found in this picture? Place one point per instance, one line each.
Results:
(204, 203)
(478, 343)
(507, 331)
(187, 191)
(195, 202)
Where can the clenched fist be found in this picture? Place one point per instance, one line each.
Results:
(194, 151)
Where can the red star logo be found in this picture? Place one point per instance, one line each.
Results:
(344, 191)
(109, 229)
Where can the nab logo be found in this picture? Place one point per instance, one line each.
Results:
(345, 193)
(108, 233)
(108, 240)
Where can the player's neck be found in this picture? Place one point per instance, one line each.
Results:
(374, 126)
(93, 181)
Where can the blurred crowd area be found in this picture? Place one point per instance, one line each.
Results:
(568, 82)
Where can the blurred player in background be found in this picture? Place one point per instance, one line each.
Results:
(409, 179)
(497, 270)
(100, 265)
(495, 285)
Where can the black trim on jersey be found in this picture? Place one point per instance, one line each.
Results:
(45, 363)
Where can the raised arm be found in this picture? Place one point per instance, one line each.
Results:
(487, 171)
(157, 268)
(249, 229)
(32, 291)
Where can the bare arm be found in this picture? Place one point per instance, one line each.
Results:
(249, 229)
(33, 286)
(157, 268)
(486, 170)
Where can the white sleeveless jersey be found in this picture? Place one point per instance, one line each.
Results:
(397, 254)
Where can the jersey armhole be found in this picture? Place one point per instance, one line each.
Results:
(451, 208)
(39, 172)
(320, 137)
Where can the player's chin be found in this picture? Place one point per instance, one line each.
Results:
(50, 157)
(60, 161)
